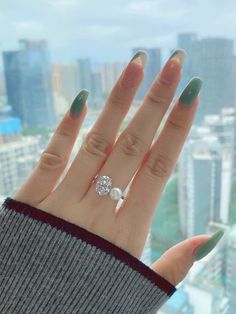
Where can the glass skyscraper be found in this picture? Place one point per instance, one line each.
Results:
(212, 60)
(28, 83)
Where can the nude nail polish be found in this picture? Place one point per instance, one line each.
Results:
(140, 57)
(171, 70)
(179, 54)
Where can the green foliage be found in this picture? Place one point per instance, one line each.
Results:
(165, 230)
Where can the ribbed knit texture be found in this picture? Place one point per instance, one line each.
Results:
(48, 265)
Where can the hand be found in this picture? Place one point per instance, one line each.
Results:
(132, 155)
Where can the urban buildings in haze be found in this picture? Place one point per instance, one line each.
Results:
(205, 175)
(212, 60)
(205, 169)
(28, 83)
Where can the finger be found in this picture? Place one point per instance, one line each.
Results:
(134, 142)
(151, 177)
(176, 262)
(55, 157)
(99, 141)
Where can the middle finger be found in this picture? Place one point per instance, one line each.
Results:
(134, 142)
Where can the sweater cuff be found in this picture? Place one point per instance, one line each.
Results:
(50, 265)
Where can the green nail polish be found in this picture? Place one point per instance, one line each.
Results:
(142, 55)
(180, 54)
(208, 246)
(191, 91)
(79, 103)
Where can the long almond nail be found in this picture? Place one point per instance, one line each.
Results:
(179, 54)
(171, 70)
(190, 92)
(208, 246)
(140, 57)
(78, 103)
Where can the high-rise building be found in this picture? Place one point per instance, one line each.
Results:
(212, 60)
(65, 81)
(152, 68)
(84, 74)
(90, 80)
(204, 182)
(17, 159)
(234, 79)
(234, 158)
(187, 41)
(65, 86)
(2, 85)
(97, 94)
(197, 171)
(234, 132)
(28, 83)
(110, 74)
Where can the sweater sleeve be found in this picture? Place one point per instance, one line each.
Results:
(49, 265)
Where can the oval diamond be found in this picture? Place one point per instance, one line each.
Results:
(103, 185)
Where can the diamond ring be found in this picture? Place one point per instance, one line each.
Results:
(104, 187)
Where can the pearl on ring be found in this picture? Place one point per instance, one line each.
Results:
(115, 194)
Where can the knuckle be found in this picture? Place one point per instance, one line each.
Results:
(175, 125)
(96, 145)
(158, 166)
(50, 161)
(117, 101)
(64, 130)
(156, 99)
(131, 145)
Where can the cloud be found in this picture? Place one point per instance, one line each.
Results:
(107, 30)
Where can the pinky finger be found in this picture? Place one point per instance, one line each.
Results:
(176, 262)
(54, 158)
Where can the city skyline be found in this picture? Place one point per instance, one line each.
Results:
(86, 44)
(211, 59)
(124, 25)
(203, 203)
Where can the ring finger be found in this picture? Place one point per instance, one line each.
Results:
(151, 177)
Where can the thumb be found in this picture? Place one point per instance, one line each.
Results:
(175, 263)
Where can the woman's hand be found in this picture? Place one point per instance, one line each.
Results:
(132, 156)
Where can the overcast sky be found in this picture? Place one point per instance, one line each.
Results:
(106, 30)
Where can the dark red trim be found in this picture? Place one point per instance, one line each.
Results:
(93, 239)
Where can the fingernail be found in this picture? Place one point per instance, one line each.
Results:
(140, 57)
(78, 103)
(132, 75)
(171, 70)
(179, 54)
(208, 246)
(190, 92)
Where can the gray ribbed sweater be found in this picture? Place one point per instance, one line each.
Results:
(48, 265)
